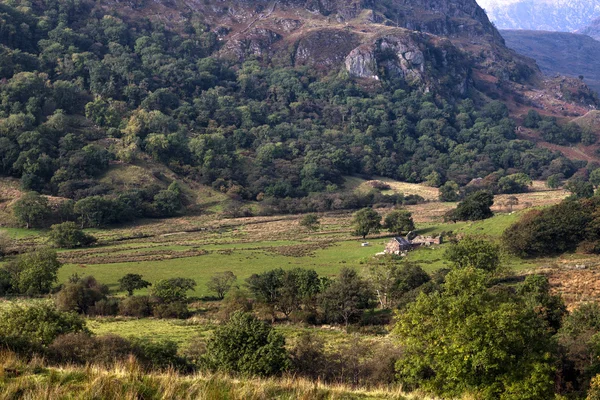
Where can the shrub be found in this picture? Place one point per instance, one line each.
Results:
(135, 306)
(235, 300)
(80, 295)
(160, 355)
(549, 231)
(32, 210)
(105, 307)
(36, 325)
(68, 236)
(171, 310)
(247, 346)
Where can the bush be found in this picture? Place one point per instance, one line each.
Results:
(68, 236)
(160, 355)
(105, 308)
(81, 295)
(247, 346)
(550, 231)
(36, 325)
(235, 300)
(135, 306)
(171, 310)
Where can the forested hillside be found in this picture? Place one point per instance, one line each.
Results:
(84, 87)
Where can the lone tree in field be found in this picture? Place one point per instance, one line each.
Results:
(310, 222)
(247, 346)
(474, 207)
(399, 221)
(511, 202)
(68, 236)
(366, 221)
(31, 209)
(221, 283)
(173, 290)
(131, 282)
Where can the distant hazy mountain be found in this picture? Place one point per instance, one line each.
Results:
(548, 15)
(592, 29)
(559, 53)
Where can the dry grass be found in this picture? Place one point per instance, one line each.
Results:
(34, 380)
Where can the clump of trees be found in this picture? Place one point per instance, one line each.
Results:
(68, 236)
(474, 207)
(469, 338)
(556, 229)
(31, 274)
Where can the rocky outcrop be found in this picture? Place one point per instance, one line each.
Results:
(417, 59)
(361, 63)
(325, 47)
(257, 42)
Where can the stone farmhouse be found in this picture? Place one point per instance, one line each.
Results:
(399, 245)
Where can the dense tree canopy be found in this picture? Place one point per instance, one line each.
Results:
(251, 130)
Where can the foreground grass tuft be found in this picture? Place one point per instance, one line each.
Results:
(34, 380)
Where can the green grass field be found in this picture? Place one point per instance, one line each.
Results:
(326, 252)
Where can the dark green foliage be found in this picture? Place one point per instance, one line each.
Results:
(554, 181)
(36, 325)
(470, 339)
(32, 210)
(392, 281)
(532, 119)
(550, 231)
(449, 192)
(81, 295)
(167, 203)
(34, 273)
(164, 90)
(474, 207)
(173, 289)
(579, 188)
(158, 355)
(68, 236)
(515, 183)
(366, 221)
(286, 291)
(399, 222)
(474, 253)
(535, 291)
(247, 346)
(131, 282)
(135, 306)
(346, 297)
(176, 309)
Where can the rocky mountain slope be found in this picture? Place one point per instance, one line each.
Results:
(447, 46)
(548, 15)
(559, 53)
(592, 30)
